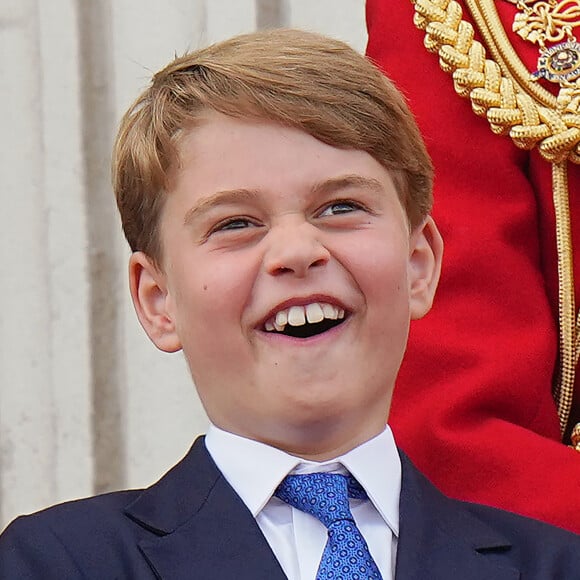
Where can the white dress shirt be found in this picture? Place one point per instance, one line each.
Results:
(298, 539)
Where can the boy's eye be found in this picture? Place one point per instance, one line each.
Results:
(340, 207)
(237, 223)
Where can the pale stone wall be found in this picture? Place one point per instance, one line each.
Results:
(86, 402)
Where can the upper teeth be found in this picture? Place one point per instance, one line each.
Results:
(298, 315)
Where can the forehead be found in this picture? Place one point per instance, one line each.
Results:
(222, 152)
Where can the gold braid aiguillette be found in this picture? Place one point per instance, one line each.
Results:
(503, 91)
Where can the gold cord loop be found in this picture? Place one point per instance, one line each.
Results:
(564, 387)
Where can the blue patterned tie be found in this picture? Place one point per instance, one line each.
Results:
(346, 555)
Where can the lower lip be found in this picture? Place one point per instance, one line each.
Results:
(292, 340)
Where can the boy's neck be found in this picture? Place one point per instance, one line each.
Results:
(316, 448)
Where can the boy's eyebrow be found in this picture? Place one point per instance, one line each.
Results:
(324, 187)
(347, 181)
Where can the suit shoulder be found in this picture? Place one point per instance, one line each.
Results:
(509, 520)
(68, 539)
(531, 540)
(88, 513)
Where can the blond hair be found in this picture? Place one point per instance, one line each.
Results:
(298, 79)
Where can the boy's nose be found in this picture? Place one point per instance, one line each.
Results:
(294, 249)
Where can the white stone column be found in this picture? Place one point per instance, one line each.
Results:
(67, 242)
(226, 18)
(342, 19)
(44, 371)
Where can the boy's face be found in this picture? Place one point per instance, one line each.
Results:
(264, 224)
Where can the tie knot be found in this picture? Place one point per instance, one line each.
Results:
(323, 495)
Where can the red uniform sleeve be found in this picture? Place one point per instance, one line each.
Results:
(473, 405)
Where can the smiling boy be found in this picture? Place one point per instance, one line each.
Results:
(275, 192)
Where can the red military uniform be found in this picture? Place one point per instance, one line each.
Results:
(473, 404)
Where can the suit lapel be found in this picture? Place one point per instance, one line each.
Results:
(439, 539)
(202, 528)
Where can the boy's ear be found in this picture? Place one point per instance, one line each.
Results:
(426, 254)
(152, 302)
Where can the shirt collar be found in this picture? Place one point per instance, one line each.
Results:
(237, 458)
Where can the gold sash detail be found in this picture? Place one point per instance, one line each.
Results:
(501, 90)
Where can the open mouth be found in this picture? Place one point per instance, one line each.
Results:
(305, 321)
(307, 330)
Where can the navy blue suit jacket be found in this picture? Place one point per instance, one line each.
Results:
(192, 525)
